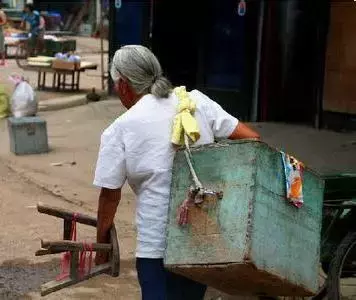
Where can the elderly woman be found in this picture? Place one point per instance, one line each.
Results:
(137, 147)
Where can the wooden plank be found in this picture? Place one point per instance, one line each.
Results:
(73, 246)
(69, 21)
(42, 252)
(79, 17)
(67, 229)
(115, 255)
(74, 265)
(65, 214)
(54, 285)
(340, 69)
(87, 65)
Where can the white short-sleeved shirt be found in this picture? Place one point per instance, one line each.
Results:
(137, 148)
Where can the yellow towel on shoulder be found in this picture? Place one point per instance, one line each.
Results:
(184, 122)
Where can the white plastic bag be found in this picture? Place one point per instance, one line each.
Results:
(23, 100)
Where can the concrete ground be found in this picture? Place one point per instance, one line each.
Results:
(74, 136)
(21, 273)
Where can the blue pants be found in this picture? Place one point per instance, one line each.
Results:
(159, 284)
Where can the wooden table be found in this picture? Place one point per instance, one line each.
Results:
(60, 76)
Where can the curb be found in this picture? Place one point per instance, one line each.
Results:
(62, 103)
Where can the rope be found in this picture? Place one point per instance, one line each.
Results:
(188, 156)
(66, 257)
(65, 266)
(185, 129)
(73, 232)
(196, 194)
(83, 257)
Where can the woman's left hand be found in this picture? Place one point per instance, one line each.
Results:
(101, 258)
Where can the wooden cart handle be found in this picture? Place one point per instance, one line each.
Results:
(66, 214)
(73, 246)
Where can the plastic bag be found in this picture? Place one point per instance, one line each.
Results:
(23, 100)
(4, 103)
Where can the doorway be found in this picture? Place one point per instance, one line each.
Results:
(209, 46)
(293, 60)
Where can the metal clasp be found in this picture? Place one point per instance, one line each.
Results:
(31, 129)
(202, 195)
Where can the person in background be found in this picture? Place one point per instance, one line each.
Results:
(3, 21)
(40, 40)
(137, 147)
(33, 17)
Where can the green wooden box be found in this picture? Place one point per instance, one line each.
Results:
(28, 135)
(63, 46)
(252, 241)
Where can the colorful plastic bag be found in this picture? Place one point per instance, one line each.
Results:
(293, 170)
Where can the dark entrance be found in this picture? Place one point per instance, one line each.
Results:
(209, 46)
(200, 44)
(293, 58)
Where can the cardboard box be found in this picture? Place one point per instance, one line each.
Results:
(65, 65)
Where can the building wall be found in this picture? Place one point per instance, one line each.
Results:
(16, 4)
(211, 47)
(340, 70)
(66, 8)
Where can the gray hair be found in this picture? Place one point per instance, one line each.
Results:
(142, 69)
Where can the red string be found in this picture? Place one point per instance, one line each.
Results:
(66, 257)
(90, 257)
(82, 262)
(73, 232)
(65, 266)
(83, 257)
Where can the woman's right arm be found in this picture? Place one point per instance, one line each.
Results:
(110, 176)
(109, 199)
(225, 125)
(242, 131)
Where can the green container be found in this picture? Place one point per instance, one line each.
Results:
(252, 241)
(28, 135)
(52, 47)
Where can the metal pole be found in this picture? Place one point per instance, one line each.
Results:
(150, 34)
(323, 30)
(102, 45)
(255, 95)
(113, 42)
